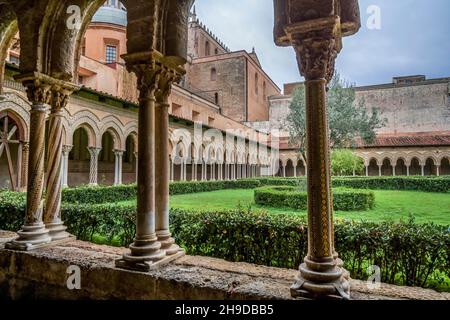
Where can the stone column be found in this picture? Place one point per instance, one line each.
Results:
(393, 171)
(52, 215)
(367, 171)
(379, 170)
(136, 164)
(284, 171)
(162, 164)
(171, 170)
(422, 170)
(146, 249)
(25, 157)
(33, 232)
(118, 156)
(295, 171)
(321, 273)
(438, 170)
(194, 170)
(93, 166)
(65, 171)
(407, 170)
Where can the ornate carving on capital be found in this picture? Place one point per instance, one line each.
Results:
(38, 93)
(59, 100)
(66, 149)
(167, 77)
(316, 57)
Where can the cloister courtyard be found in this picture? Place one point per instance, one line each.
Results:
(142, 159)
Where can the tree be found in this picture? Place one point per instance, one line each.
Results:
(348, 118)
(345, 162)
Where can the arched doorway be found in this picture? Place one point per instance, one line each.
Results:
(445, 167)
(386, 169)
(130, 160)
(374, 170)
(11, 152)
(290, 168)
(430, 168)
(79, 159)
(301, 169)
(400, 168)
(415, 169)
(106, 160)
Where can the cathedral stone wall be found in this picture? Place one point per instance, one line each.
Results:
(424, 107)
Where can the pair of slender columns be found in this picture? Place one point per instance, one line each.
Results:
(118, 161)
(65, 165)
(153, 244)
(43, 222)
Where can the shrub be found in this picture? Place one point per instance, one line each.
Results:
(426, 184)
(345, 162)
(407, 253)
(290, 197)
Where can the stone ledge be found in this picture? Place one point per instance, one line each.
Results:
(42, 274)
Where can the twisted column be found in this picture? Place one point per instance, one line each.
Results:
(33, 232)
(118, 155)
(52, 215)
(25, 158)
(93, 165)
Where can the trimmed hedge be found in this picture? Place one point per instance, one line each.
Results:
(413, 183)
(291, 197)
(407, 253)
(102, 194)
(106, 194)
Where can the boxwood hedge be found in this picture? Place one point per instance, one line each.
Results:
(291, 197)
(407, 253)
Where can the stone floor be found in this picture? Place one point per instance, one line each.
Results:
(42, 273)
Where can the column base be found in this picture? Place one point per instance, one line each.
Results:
(322, 280)
(145, 255)
(30, 237)
(57, 231)
(168, 244)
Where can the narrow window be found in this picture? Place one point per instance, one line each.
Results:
(207, 52)
(111, 54)
(216, 98)
(213, 74)
(256, 83)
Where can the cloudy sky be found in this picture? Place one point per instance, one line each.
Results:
(414, 39)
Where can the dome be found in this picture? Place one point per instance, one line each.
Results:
(111, 15)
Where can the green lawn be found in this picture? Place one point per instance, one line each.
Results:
(389, 205)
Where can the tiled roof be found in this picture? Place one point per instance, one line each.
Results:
(413, 140)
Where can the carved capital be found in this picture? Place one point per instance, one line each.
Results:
(66, 149)
(59, 100)
(38, 93)
(316, 57)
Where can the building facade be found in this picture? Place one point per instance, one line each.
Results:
(208, 139)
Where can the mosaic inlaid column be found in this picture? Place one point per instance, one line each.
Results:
(25, 158)
(162, 151)
(33, 232)
(317, 39)
(93, 165)
(52, 214)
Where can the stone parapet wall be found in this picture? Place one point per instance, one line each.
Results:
(42, 274)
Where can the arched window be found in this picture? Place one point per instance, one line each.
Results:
(207, 49)
(256, 83)
(264, 90)
(216, 98)
(216, 51)
(213, 74)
